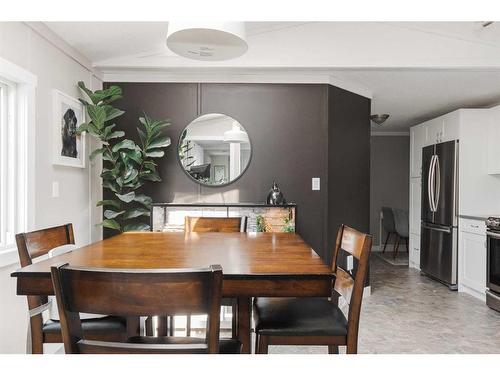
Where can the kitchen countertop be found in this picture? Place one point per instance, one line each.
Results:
(480, 217)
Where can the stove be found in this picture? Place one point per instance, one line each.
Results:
(493, 263)
(493, 223)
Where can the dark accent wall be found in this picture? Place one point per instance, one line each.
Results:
(290, 127)
(348, 162)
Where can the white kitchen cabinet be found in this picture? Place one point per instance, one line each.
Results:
(472, 262)
(478, 190)
(434, 131)
(441, 129)
(473, 226)
(451, 126)
(414, 251)
(493, 149)
(417, 141)
(415, 197)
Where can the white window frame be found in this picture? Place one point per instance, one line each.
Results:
(18, 131)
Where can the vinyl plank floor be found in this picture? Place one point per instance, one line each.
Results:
(409, 313)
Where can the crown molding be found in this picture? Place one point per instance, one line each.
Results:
(218, 75)
(46, 33)
(390, 134)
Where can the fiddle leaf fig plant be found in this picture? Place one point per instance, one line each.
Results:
(126, 165)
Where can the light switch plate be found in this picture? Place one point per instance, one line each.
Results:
(55, 189)
(316, 183)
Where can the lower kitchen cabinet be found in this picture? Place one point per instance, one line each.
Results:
(414, 251)
(472, 264)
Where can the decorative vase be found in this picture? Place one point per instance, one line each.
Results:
(275, 196)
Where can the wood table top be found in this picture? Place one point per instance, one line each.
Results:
(241, 255)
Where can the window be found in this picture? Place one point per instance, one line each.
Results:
(7, 166)
(12, 169)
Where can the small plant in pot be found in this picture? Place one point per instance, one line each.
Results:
(127, 166)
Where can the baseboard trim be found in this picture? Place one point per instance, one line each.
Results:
(472, 292)
(413, 265)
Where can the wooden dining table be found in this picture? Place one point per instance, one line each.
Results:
(253, 264)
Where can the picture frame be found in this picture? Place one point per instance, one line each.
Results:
(68, 147)
(219, 172)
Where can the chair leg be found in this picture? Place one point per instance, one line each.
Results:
(386, 240)
(35, 334)
(162, 326)
(234, 320)
(257, 337)
(407, 248)
(396, 247)
(263, 345)
(352, 349)
(149, 326)
(171, 329)
(188, 325)
(333, 349)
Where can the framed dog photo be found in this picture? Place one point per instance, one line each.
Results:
(69, 147)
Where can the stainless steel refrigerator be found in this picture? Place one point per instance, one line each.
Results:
(439, 233)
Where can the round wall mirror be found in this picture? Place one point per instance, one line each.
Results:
(214, 150)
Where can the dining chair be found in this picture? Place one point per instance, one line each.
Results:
(402, 225)
(134, 292)
(388, 224)
(216, 224)
(34, 246)
(320, 321)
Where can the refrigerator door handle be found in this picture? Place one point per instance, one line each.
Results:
(430, 184)
(445, 230)
(437, 178)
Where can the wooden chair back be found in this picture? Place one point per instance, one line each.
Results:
(35, 244)
(350, 267)
(136, 293)
(214, 224)
(32, 245)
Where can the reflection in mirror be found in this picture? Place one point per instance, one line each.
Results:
(214, 149)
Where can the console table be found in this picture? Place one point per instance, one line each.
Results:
(261, 217)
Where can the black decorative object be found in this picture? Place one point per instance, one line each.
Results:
(275, 196)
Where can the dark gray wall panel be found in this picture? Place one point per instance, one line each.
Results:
(287, 126)
(348, 162)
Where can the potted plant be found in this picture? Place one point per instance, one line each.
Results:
(126, 165)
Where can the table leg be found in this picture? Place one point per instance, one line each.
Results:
(244, 324)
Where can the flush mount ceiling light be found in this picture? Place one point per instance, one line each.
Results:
(379, 119)
(208, 41)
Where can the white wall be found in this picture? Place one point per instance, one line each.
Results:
(54, 69)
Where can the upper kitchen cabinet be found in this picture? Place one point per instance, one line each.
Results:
(441, 129)
(478, 187)
(434, 131)
(493, 131)
(417, 141)
(451, 126)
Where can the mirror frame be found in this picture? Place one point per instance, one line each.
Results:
(208, 185)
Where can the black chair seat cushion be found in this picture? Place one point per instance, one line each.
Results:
(298, 317)
(108, 324)
(226, 346)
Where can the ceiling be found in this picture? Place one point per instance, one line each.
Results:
(415, 70)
